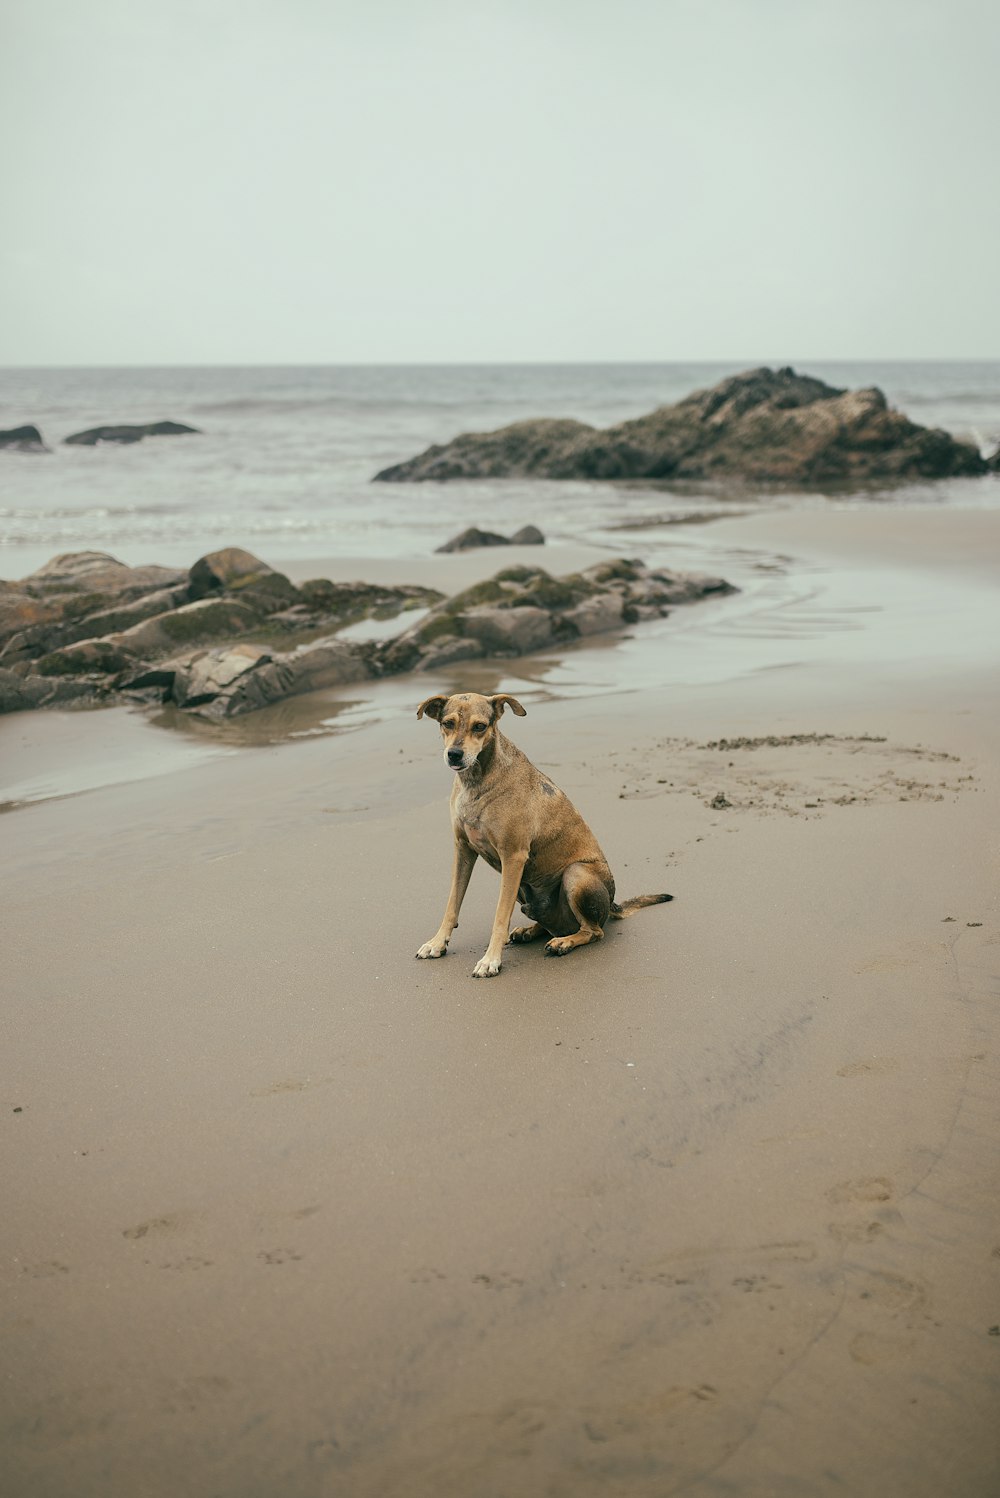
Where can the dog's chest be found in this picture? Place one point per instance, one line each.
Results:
(467, 815)
(478, 839)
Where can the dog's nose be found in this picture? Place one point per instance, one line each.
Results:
(455, 756)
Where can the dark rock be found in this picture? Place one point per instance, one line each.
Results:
(77, 596)
(522, 448)
(235, 680)
(507, 631)
(769, 426)
(347, 602)
(126, 434)
(240, 572)
(26, 439)
(87, 658)
(107, 621)
(19, 693)
(522, 609)
(194, 623)
(130, 622)
(22, 618)
(95, 572)
(468, 540)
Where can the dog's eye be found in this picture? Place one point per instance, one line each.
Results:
(448, 723)
(479, 728)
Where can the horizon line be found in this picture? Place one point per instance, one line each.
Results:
(743, 363)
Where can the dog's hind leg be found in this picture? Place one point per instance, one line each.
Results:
(528, 933)
(589, 900)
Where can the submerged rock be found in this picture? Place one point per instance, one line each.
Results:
(26, 439)
(769, 426)
(469, 540)
(126, 434)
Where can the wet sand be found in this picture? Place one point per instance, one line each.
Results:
(710, 1208)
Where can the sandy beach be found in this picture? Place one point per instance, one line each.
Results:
(708, 1209)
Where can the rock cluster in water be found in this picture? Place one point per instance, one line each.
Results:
(127, 434)
(28, 439)
(765, 425)
(231, 634)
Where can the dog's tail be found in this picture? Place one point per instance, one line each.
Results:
(638, 902)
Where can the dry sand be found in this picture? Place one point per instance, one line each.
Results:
(710, 1208)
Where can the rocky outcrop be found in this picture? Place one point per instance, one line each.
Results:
(469, 540)
(232, 635)
(524, 609)
(126, 434)
(238, 679)
(87, 625)
(26, 439)
(767, 426)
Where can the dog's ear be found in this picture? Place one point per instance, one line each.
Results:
(432, 706)
(502, 701)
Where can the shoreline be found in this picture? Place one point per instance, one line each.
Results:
(833, 576)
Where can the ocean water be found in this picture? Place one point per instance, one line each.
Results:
(284, 462)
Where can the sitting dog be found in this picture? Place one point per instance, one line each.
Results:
(506, 811)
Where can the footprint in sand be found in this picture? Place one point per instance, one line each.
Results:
(188, 1395)
(872, 1066)
(868, 1189)
(870, 1348)
(279, 1255)
(156, 1225)
(45, 1269)
(855, 1232)
(893, 1292)
(604, 1424)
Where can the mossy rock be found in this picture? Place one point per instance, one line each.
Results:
(520, 574)
(204, 621)
(87, 603)
(85, 659)
(273, 589)
(488, 591)
(618, 570)
(435, 628)
(551, 593)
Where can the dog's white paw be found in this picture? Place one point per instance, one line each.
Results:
(486, 967)
(433, 949)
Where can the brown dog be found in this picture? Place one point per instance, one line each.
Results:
(506, 811)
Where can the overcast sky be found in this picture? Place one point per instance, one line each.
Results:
(312, 181)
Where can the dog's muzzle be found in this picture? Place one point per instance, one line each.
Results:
(455, 758)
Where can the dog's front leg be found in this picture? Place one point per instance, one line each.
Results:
(511, 869)
(465, 861)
